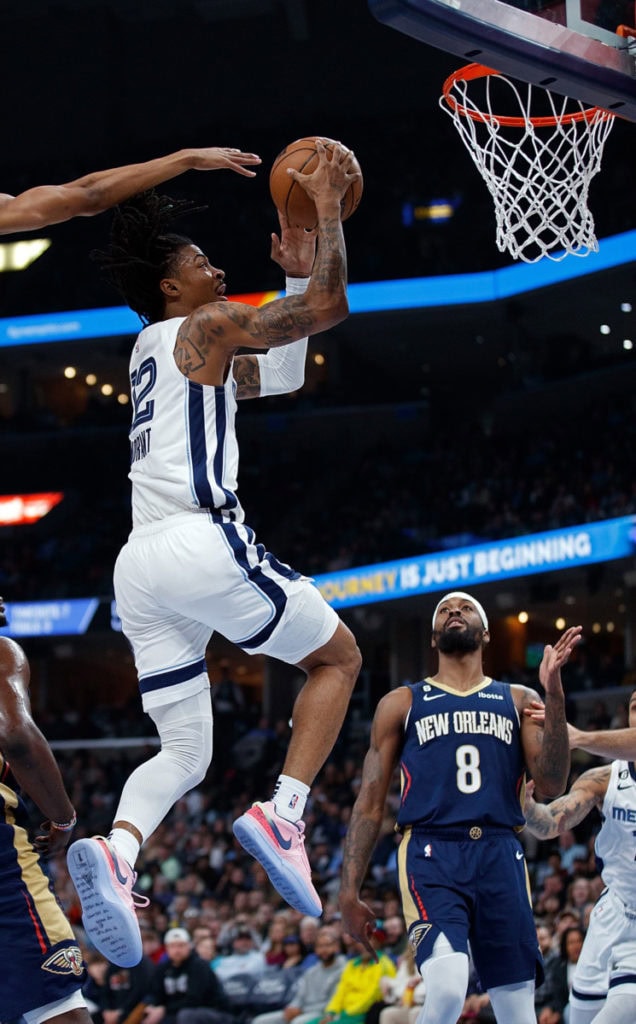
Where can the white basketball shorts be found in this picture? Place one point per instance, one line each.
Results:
(178, 581)
(608, 959)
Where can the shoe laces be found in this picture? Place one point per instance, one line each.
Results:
(138, 901)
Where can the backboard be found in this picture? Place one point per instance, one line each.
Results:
(572, 47)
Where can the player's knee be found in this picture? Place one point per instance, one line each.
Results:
(345, 654)
(186, 741)
(352, 662)
(445, 986)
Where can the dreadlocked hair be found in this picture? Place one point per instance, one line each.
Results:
(142, 251)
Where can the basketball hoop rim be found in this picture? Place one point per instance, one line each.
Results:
(471, 71)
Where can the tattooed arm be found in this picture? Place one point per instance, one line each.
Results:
(546, 750)
(546, 821)
(387, 734)
(208, 339)
(281, 370)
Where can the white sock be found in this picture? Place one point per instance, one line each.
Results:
(290, 797)
(125, 844)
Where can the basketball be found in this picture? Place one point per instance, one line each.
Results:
(290, 198)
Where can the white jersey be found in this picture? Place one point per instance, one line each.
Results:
(183, 447)
(615, 844)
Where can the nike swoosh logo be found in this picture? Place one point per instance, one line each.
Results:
(628, 786)
(434, 696)
(285, 843)
(120, 878)
(519, 855)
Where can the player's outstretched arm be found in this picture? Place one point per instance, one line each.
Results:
(619, 743)
(94, 193)
(546, 821)
(546, 749)
(387, 733)
(27, 751)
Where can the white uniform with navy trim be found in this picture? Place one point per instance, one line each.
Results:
(607, 964)
(191, 565)
(183, 448)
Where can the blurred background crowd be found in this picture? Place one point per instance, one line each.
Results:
(201, 883)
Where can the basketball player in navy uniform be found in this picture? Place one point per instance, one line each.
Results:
(42, 966)
(191, 565)
(463, 746)
(51, 204)
(604, 985)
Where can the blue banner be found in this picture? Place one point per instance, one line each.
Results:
(50, 618)
(481, 563)
(408, 293)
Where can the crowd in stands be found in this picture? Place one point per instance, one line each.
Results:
(400, 502)
(209, 902)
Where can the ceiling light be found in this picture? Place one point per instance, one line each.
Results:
(559, 623)
(626, 307)
(319, 359)
(523, 617)
(122, 399)
(605, 328)
(610, 627)
(91, 379)
(107, 389)
(20, 255)
(70, 372)
(596, 627)
(628, 343)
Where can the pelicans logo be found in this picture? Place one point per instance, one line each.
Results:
(65, 961)
(417, 933)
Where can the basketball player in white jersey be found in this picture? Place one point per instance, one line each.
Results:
(604, 985)
(51, 204)
(463, 747)
(191, 566)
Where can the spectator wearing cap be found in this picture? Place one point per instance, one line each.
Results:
(184, 989)
(243, 959)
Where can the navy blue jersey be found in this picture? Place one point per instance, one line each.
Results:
(462, 761)
(40, 954)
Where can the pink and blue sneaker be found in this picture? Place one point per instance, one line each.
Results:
(279, 845)
(104, 882)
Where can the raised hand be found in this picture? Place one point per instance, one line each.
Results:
(555, 656)
(295, 250)
(331, 176)
(219, 157)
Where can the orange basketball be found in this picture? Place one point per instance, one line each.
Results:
(290, 198)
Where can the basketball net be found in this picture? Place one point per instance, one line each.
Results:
(537, 165)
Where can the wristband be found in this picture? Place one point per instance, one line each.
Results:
(65, 826)
(296, 285)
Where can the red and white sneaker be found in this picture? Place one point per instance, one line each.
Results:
(279, 846)
(104, 884)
